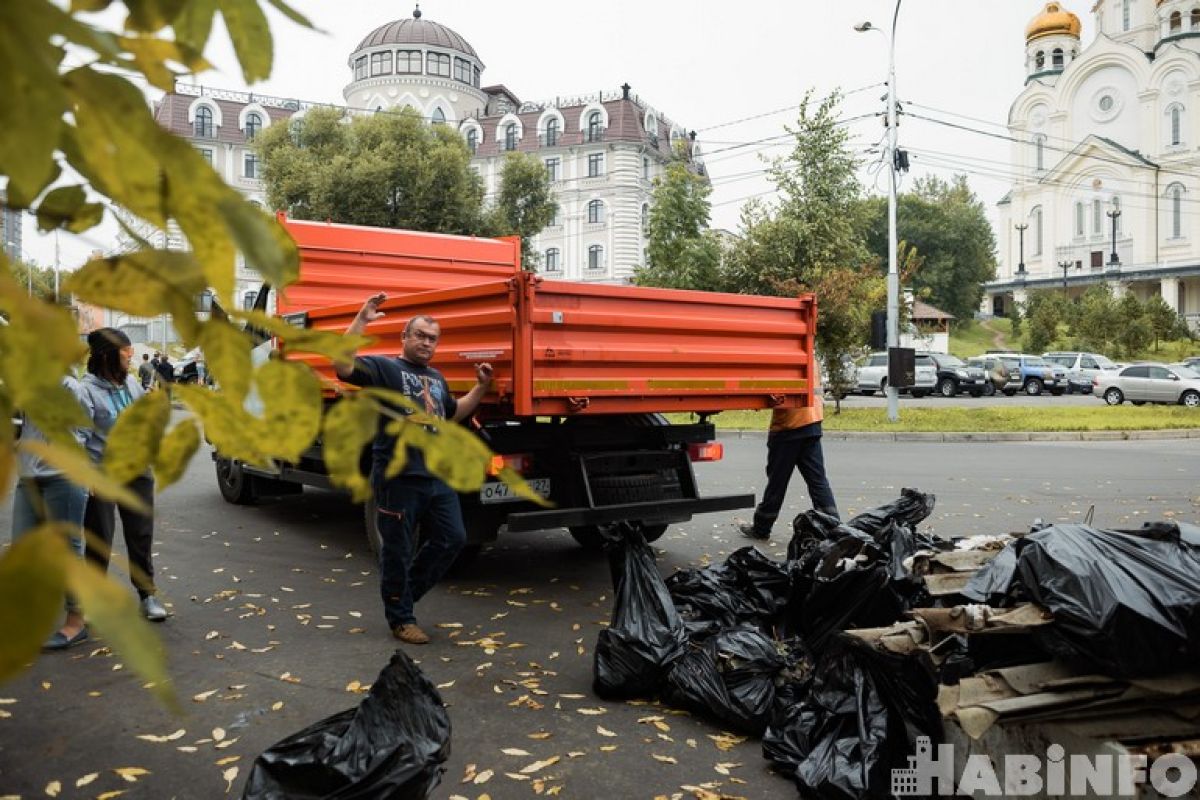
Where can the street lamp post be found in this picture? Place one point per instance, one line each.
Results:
(1021, 246)
(1064, 266)
(893, 276)
(1113, 260)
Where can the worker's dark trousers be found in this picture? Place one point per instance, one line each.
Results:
(787, 450)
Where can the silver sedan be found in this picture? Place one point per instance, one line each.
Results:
(1149, 383)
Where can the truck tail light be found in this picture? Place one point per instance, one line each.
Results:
(515, 461)
(706, 451)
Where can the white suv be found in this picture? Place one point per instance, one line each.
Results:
(1082, 368)
(872, 376)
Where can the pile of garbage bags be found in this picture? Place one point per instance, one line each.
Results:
(834, 657)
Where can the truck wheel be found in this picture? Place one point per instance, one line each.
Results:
(375, 539)
(1033, 387)
(615, 489)
(236, 486)
(589, 538)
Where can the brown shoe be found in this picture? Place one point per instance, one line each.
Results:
(410, 634)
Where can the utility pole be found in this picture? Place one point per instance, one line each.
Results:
(1021, 233)
(1113, 260)
(1064, 266)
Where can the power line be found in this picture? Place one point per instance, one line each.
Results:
(779, 110)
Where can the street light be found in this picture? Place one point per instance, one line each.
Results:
(1064, 266)
(893, 277)
(1113, 261)
(1021, 232)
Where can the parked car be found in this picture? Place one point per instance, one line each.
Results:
(1150, 383)
(1034, 375)
(997, 373)
(872, 376)
(849, 378)
(1081, 368)
(954, 375)
(1193, 362)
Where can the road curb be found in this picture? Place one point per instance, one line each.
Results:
(961, 437)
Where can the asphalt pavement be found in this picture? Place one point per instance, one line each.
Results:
(277, 624)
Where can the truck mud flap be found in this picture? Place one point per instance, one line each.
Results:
(657, 511)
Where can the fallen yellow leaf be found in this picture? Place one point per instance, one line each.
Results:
(110, 795)
(445, 685)
(53, 788)
(539, 735)
(665, 759)
(607, 748)
(227, 760)
(278, 704)
(131, 774)
(484, 776)
(469, 773)
(514, 751)
(200, 698)
(538, 766)
(604, 731)
(170, 737)
(229, 776)
(592, 712)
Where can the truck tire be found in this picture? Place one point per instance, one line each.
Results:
(589, 538)
(236, 486)
(615, 489)
(375, 539)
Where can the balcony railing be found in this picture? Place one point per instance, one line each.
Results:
(591, 135)
(549, 139)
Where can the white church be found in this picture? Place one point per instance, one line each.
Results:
(1106, 150)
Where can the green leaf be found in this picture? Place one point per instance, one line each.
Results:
(227, 354)
(348, 426)
(31, 594)
(140, 283)
(67, 207)
(8, 451)
(79, 469)
(152, 15)
(251, 37)
(134, 439)
(89, 6)
(151, 54)
(268, 248)
(290, 13)
(29, 71)
(56, 412)
(291, 395)
(175, 452)
(333, 345)
(113, 611)
(194, 23)
(226, 424)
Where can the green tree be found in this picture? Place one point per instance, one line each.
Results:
(1165, 322)
(1044, 311)
(524, 204)
(817, 221)
(1134, 330)
(682, 252)
(1096, 325)
(948, 225)
(388, 170)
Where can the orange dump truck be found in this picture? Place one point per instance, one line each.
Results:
(583, 373)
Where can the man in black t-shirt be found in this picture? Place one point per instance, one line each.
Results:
(414, 497)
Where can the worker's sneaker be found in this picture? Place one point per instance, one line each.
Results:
(409, 633)
(750, 532)
(152, 609)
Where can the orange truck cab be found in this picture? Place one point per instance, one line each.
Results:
(584, 373)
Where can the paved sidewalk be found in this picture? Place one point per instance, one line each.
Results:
(992, 436)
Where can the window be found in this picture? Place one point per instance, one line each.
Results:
(203, 126)
(253, 126)
(646, 167)
(1176, 125)
(1039, 144)
(1195, 19)
(1160, 374)
(1175, 192)
(462, 70)
(439, 116)
(248, 300)
(408, 62)
(437, 64)
(595, 166)
(645, 218)
(552, 168)
(1136, 372)
(1176, 23)
(1087, 362)
(595, 211)
(1056, 58)
(1079, 219)
(381, 63)
(1035, 219)
(551, 132)
(472, 140)
(1126, 10)
(360, 68)
(1097, 216)
(594, 130)
(595, 257)
(552, 262)
(555, 221)
(475, 77)
(1039, 61)
(206, 154)
(250, 166)
(510, 136)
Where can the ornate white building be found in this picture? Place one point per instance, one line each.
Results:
(1106, 150)
(602, 151)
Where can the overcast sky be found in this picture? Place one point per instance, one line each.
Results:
(732, 71)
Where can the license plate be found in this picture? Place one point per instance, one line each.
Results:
(499, 492)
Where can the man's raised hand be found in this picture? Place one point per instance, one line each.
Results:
(370, 310)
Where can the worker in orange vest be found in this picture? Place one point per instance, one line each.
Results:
(794, 440)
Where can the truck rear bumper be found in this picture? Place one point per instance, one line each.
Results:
(656, 511)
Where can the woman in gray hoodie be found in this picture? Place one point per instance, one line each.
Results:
(106, 390)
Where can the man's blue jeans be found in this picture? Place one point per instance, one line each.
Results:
(51, 499)
(800, 450)
(404, 505)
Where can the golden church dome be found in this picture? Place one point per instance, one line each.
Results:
(1054, 19)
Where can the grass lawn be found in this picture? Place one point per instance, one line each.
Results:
(968, 419)
(974, 337)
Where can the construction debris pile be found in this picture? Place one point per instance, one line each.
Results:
(873, 633)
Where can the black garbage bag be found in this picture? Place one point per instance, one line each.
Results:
(911, 508)
(748, 587)
(730, 676)
(858, 720)
(995, 582)
(1124, 602)
(646, 635)
(391, 747)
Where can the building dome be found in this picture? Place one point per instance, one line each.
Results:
(1051, 21)
(414, 30)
